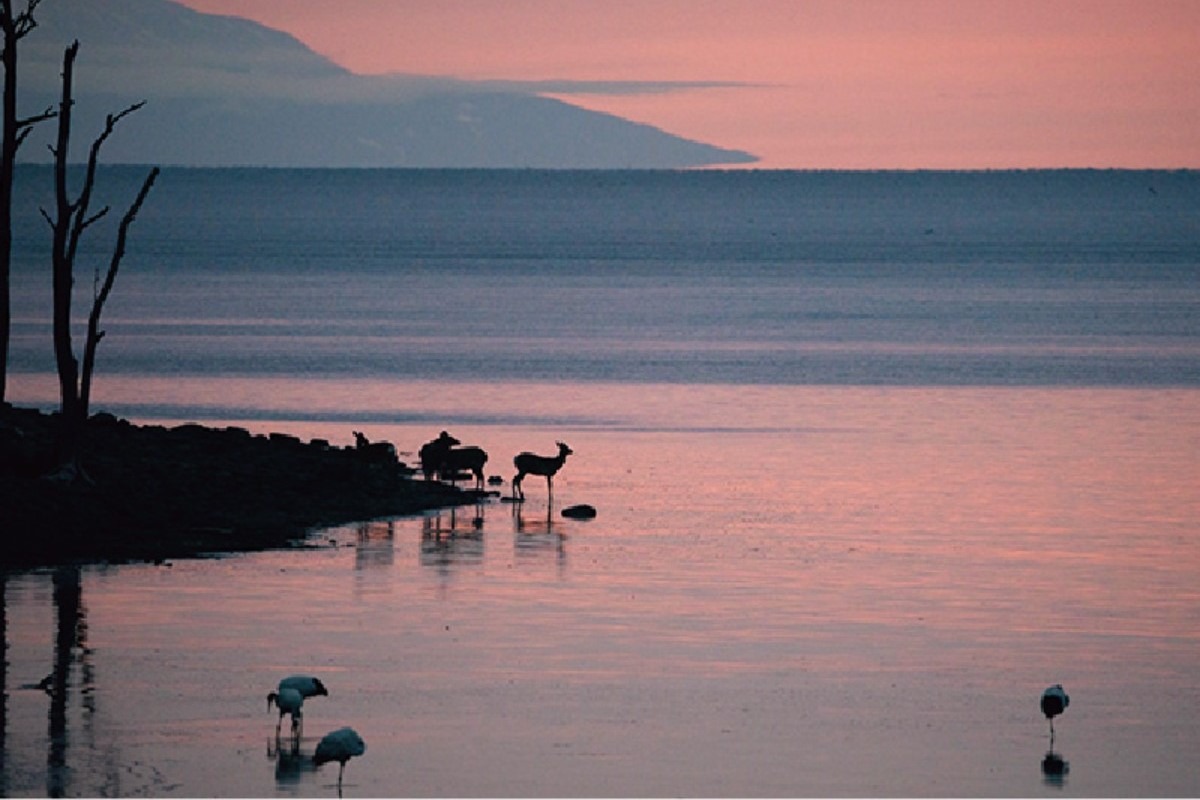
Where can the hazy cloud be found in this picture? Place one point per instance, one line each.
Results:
(569, 87)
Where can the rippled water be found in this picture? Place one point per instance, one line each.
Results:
(787, 591)
(877, 458)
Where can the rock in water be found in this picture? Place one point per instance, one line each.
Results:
(582, 511)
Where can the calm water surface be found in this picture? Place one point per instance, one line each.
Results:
(787, 591)
(877, 458)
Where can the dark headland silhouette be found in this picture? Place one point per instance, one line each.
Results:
(154, 492)
(224, 91)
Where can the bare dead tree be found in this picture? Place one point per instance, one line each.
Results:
(94, 334)
(71, 219)
(13, 28)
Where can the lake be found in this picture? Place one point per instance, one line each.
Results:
(877, 458)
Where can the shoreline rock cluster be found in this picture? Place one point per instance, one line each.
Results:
(152, 492)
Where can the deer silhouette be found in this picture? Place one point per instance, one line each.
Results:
(469, 458)
(530, 464)
(433, 454)
(440, 457)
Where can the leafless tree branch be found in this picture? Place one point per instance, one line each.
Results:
(94, 334)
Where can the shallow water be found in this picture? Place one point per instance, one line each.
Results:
(877, 458)
(788, 591)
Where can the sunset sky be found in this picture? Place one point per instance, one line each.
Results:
(818, 84)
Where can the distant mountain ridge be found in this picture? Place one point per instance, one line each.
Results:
(224, 91)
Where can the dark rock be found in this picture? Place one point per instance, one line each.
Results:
(582, 511)
(284, 438)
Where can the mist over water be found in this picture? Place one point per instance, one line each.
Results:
(877, 458)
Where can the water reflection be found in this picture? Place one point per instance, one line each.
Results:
(534, 536)
(77, 760)
(3, 685)
(291, 764)
(376, 545)
(1055, 769)
(455, 520)
(71, 632)
(452, 537)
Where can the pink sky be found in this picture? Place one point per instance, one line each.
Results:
(822, 83)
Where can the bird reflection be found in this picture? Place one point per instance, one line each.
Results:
(1054, 769)
(291, 765)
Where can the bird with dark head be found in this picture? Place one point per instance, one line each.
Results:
(306, 685)
(340, 746)
(1054, 702)
(289, 698)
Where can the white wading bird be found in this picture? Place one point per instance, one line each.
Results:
(289, 701)
(1054, 702)
(340, 746)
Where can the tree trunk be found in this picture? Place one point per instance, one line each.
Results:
(8, 157)
(71, 219)
(12, 29)
(71, 411)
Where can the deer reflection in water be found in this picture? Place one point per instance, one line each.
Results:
(452, 536)
(376, 545)
(534, 536)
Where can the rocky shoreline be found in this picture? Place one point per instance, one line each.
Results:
(153, 493)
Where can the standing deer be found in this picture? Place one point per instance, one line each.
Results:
(440, 457)
(456, 459)
(433, 454)
(530, 464)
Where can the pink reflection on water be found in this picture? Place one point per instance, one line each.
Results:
(777, 578)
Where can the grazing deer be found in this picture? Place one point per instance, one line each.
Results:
(457, 459)
(530, 464)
